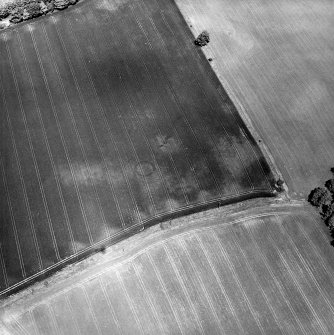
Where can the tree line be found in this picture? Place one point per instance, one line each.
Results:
(20, 10)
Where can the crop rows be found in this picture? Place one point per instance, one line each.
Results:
(111, 120)
(268, 273)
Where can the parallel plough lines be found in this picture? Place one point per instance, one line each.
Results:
(184, 289)
(33, 154)
(94, 134)
(188, 47)
(46, 205)
(111, 308)
(176, 99)
(208, 102)
(124, 127)
(172, 91)
(138, 121)
(220, 253)
(168, 298)
(319, 260)
(69, 109)
(130, 303)
(179, 140)
(74, 321)
(195, 75)
(26, 200)
(300, 289)
(105, 120)
(278, 284)
(221, 286)
(13, 224)
(143, 62)
(238, 247)
(239, 285)
(59, 189)
(3, 268)
(149, 299)
(76, 139)
(285, 90)
(304, 263)
(199, 280)
(91, 310)
(194, 10)
(54, 109)
(110, 133)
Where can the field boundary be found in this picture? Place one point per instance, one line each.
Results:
(130, 231)
(142, 240)
(207, 52)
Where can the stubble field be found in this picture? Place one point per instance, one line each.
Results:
(265, 272)
(111, 120)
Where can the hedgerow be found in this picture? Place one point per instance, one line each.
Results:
(20, 10)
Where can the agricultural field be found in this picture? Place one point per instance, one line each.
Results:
(111, 120)
(262, 271)
(275, 59)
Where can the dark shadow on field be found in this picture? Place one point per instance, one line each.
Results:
(161, 136)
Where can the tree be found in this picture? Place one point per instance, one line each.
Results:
(17, 15)
(320, 196)
(330, 223)
(4, 12)
(279, 185)
(327, 211)
(32, 10)
(49, 6)
(202, 39)
(45, 8)
(330, 185)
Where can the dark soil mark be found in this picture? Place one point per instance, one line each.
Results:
(107, 130)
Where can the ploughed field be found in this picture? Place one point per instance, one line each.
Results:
(263, 272)
(111, 120)
(276, 59)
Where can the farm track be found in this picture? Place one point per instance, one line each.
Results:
(275, 60)
(106, 131)
(263, 270)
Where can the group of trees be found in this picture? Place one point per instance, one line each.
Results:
(202, 39)
(20, 10)
(323, 199)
